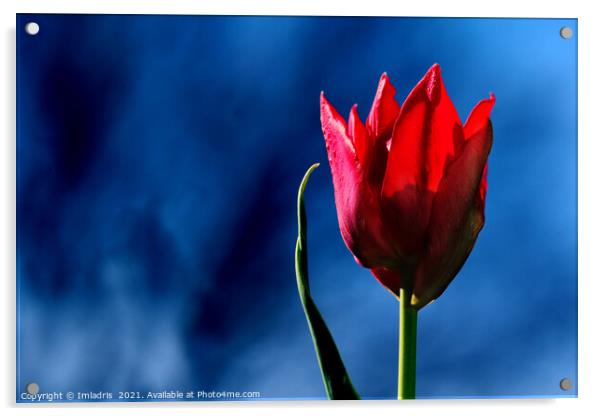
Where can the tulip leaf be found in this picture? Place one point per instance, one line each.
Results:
(336, 380)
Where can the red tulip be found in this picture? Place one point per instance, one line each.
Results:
(410, 184)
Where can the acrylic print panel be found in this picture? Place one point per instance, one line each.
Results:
(159, 164)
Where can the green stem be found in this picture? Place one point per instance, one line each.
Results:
(406, 376)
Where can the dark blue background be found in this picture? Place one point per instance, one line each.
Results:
(158, 165)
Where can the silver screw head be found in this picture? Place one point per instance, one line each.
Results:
(566, 32)
(32, 28)
(32, 388)
(566, 384)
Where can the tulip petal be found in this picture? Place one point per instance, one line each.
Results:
(479, 117)
(482, 194)
(343, 163)
(358, 134)
(394, 279)
(385, 109)
(426, 137)
(357, 203)
(476, 122)
(371, 152)
(455, 220)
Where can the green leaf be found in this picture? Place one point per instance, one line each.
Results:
(336, 380)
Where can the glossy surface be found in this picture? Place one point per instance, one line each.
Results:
(158, 164)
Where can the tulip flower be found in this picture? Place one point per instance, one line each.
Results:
(410, 186)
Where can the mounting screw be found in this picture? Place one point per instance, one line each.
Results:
(566, 384)
(32, 388)
(566, 32)
(32, 28)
